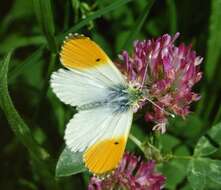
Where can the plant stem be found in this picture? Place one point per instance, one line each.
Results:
(171, 156)
(166, 157)
(38, 154)
(137, 142)
(45, 87)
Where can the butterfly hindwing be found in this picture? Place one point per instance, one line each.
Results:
(102, 134)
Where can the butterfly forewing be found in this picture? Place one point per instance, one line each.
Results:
(81, 53)
(90, 72)
(76, 88)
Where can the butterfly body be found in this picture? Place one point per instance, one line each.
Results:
(119, 97)
(104, 99)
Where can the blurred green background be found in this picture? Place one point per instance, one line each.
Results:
(34, 29)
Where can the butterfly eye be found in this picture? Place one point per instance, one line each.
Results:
(98, 59)
(116, 143)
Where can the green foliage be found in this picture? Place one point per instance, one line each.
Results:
(33, 120)
(138, 25)
(44, 15)
(116, 4)
(21, 130)
(172, 15)
(32, 59)
(202, 169)
(69, 163)
(16, 122)
(214, 43)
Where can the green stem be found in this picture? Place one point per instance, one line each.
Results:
(51, 64)
(156, 150)
(46, 85)
(44, 14)
(149, 150)
(171, 156)
(137, 142)
(38, 154)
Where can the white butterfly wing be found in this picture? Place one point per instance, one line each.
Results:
(87, 79)
(76, 88)
(102, 134)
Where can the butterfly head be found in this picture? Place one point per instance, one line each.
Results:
(135, 96)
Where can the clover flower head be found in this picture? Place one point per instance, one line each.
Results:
(167, 74)
(132, 174)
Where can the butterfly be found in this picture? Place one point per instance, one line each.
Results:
(105, 101)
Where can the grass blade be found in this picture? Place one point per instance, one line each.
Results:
(44, 14)
(138, 25)
(33, 58)
(16, 41)
(218, 116)
(21, 130)
(172, 15)
(113, 6)
(214, 41)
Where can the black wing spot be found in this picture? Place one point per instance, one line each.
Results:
(98, 59)
(116, 143)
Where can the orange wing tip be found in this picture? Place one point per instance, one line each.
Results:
(104, 157)
(80, 52)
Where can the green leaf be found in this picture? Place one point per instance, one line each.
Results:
(202, 170)
(176, 166)
(204, 147)
(209, 143)
(168, 142)
(69, 163)
(169, 169)
(215, 134)
(214, 170)
(214, 41)
(138, 25)
(196, 174)
(44, 14)
(113, 6)
(189, 128)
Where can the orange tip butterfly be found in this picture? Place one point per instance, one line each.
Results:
(104, 99)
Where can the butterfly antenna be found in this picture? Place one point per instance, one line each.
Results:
(168, 113)
(145, 73)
